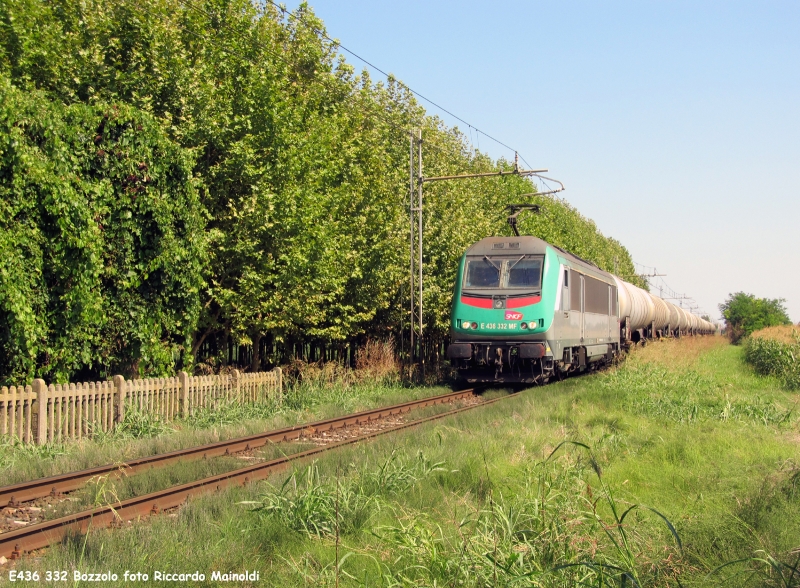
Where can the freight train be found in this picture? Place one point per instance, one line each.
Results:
(526, 311)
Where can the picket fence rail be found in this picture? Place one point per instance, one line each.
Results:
(42, 413)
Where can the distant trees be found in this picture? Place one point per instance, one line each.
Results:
(745, 313)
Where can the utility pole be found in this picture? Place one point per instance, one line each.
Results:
(655, 274)
(415, 208)
(415, 211)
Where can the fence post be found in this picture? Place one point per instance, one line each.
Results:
(280, 384)
(184, 378)
(122, 392)
(238, 390)
(40, 388)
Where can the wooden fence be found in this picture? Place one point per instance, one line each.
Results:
(59, 412)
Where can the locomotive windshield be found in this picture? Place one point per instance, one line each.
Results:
(504, 272)
(524, 273)
(483, 273)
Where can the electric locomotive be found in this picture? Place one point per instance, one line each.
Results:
(525, 311)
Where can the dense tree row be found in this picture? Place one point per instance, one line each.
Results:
(175, 174)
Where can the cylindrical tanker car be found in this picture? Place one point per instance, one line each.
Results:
(525, 311)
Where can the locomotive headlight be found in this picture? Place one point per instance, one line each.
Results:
(465, 324)
(523, 325)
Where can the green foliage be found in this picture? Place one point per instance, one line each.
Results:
(772, 357)
(295, 166)
(745, 313)
(101, 241)
(562, 225)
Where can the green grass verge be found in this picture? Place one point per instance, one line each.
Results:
(679, 468)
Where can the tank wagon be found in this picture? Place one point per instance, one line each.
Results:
(527, 311)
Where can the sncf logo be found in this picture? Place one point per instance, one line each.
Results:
(513, 316)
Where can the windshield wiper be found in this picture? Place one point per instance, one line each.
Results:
(486, 257)
(510, 267)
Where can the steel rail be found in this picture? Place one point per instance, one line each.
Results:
(14, 544)
(55, 485)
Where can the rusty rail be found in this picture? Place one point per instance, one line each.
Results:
(54, 485)
(15, 543)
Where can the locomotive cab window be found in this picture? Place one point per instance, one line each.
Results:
(483, 273)
(524, 272)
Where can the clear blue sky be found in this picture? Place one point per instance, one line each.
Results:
(674, 125)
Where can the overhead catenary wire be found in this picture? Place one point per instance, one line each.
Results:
(391, 76)
(671, 294)
(142, 9)
(192, 6)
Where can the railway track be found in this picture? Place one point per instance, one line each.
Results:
(54, 485)
(15, 543)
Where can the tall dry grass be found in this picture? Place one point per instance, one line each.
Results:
(377, 360)
(376, 363)
(788, 334)
(677, 354)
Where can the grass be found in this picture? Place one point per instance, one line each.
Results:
(306, 503)
(141, 434)
(681, 467)
(139, 427)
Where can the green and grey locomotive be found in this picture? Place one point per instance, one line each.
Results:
(526, 311)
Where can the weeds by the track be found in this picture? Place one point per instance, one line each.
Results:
(305, 502)
(14, 453)
(138, 424)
